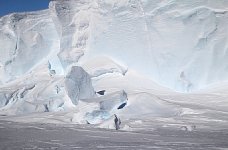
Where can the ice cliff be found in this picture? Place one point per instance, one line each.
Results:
(178, 44)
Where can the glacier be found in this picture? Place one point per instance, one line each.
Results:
(126, 32)
(163, 61)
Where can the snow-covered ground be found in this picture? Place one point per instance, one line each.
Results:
(160, 66)
(16, 136)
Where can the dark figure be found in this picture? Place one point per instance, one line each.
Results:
(117, 122)
(101, 92)
(122, 105)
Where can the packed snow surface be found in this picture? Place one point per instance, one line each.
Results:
(68, 137)
(84, 61)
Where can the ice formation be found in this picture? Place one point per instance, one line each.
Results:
(78, 85)
(56, 59)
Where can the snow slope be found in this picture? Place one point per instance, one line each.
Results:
(139, 51)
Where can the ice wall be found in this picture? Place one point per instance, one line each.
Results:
(179, 44)
(74, 21)
(26, 40)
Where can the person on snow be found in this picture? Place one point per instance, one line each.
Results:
(117, 122)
